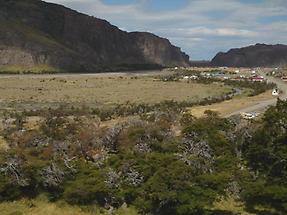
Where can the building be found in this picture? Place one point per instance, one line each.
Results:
(237, 78)
(186, 77)
(192, 77)
(257, 78)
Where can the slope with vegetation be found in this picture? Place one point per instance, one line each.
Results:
(142, 163)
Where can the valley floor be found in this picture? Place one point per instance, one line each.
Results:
(38, 91)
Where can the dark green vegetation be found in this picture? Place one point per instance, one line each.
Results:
(40, 37)
(257, 87)
(266, 155)
(144, 162)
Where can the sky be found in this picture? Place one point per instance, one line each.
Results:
(200, 27)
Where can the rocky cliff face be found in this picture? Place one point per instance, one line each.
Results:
(253, 56)
(33, 32)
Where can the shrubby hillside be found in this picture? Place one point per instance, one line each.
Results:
(161, 162)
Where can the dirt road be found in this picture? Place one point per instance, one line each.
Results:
(263, 105)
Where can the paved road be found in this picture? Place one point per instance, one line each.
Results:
(263, 105)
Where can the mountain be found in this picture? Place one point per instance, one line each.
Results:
(253, 56)
(36, 34)
(201, 63)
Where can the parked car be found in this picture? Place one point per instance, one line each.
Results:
(249, 115)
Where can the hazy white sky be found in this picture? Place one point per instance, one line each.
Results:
(200, 27)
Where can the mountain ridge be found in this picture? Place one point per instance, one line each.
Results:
(34, 32)
(256, 55)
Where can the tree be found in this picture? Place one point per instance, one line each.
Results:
(267, 157)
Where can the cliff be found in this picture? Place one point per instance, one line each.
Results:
(259, 55)
(37, 34)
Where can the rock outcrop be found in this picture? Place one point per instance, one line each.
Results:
(35, 33)
(259, 55)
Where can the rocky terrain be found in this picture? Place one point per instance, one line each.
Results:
(253, 56)
(36, 34)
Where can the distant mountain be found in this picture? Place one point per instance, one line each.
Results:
(202, 63)
(253, 56)
(37, 34)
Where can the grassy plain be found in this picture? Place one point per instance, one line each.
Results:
(41, 206)
(39, 69)
(100, 90)
(3, 144)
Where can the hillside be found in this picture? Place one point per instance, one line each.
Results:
(253, 56)
(36, 34)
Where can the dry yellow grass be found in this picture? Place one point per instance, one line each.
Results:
(102, 90)
(1, 125)
(33, 122)
(26, 207)
(229, 204)
(43, 207)
(3, 144)
(230, 106)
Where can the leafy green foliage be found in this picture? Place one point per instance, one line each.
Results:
(267, 156)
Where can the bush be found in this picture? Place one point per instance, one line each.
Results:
(87, 187)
